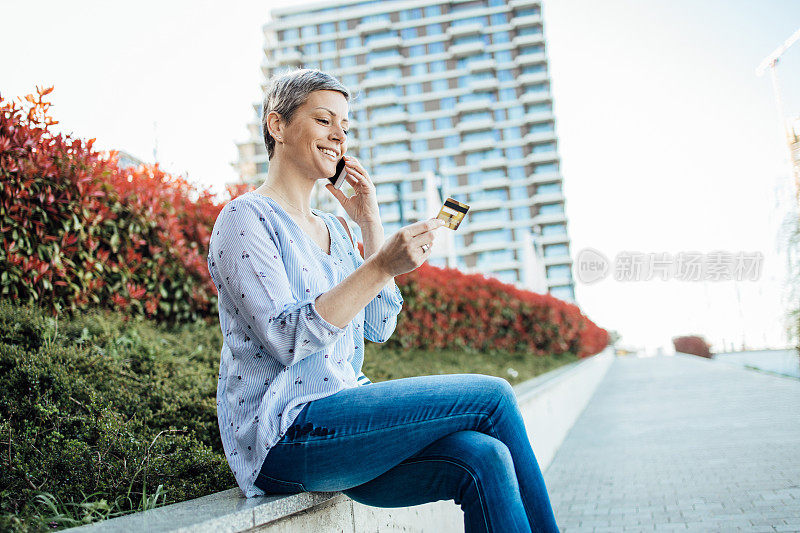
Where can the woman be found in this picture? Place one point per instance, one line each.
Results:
(296, 301)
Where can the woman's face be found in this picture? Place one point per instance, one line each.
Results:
(319, 123)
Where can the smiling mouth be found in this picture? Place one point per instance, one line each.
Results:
(328, 156)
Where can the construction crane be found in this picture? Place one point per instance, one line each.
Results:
(792, 133)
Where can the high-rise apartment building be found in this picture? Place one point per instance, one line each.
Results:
(450, 99)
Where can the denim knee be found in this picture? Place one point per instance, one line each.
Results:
(501, 389)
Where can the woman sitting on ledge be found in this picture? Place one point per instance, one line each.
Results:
(296, 301)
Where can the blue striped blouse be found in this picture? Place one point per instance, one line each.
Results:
(278, 353)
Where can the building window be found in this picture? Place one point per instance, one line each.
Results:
(563, 292)
(511, 134)
(541, 127)
(514, 152)
(504, 75)
(424, 125)
(433, 11)
(498, 235)
(534, 68)
(327, 28)
(551, 209)
(548, 188)
(527, 12)
(500, 18)
(408, 33)
(433, 29)
(534, 49)
(440, 85)
(554, 229)
(542, 148)
(555, 250)
(419, 69)
(444, 123)
(545, 168)
(502, 56)
(447, 103)
(436, 48)
(530, 30)
(439, 66)
(509, 94)
(291, 34)
(559, 271)
(519, 193)
(308, 31)
(410, 14)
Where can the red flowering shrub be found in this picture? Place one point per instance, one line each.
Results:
(79, 231)
(692, 344)
(445, 308)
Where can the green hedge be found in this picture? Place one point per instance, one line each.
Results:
(94, 407)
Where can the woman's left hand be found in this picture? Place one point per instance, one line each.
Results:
(361, 207)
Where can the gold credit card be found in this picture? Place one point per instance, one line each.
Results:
(453, 212)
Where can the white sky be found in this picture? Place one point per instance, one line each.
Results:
(669, 141)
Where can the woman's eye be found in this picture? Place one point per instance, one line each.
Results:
(346, 132)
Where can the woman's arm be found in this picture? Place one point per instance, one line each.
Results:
(343, 302)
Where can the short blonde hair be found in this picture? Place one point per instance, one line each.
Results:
(288, 90)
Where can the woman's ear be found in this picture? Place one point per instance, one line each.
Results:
(275, 126)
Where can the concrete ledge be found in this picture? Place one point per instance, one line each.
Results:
(549, 403)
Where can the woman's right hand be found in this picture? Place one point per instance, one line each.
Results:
(402, 252)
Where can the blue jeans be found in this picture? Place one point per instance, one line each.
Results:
(416, 440)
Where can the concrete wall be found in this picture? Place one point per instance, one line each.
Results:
(550, 404)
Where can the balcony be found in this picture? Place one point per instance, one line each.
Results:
(391, 118)
(473, 125)
(394, 157)
(390, 61)
(527, 59)
(483, 65)
(474, 105)
(461, 50)
(538, 116)
(524, 40)
(381, 81)
(375, 26)
(527, 20)
(385, 43)
(534, 77)
(378, 101)
(547, 198)
(524, 3)
(292, 57)
(495, 162)
(558, 260)
(535, 97)
(541, 157)
(465, 29)
(540, 137)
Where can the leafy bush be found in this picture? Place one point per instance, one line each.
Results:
(92, 407)
(692, 344)
(445, 308)
(80, 232)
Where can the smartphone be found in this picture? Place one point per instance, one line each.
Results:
(338, 178)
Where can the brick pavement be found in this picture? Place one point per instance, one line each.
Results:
(681, 444)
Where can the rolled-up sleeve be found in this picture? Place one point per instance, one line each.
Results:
(253, 274)
(380, 315)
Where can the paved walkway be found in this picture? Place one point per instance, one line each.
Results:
(681, 444)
